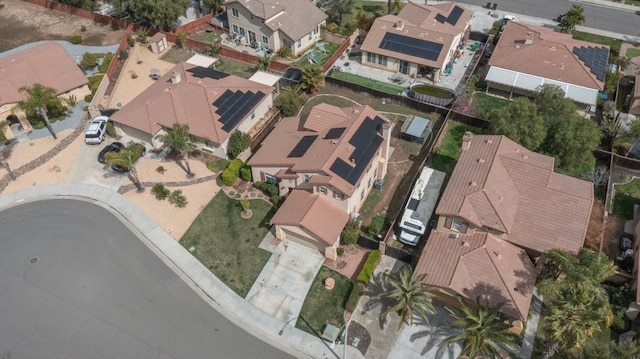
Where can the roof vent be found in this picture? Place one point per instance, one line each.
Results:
(524, 157)
(465, 244)
(480, 160)
(175, 77)
(552, 48)
(334, 142)
(561, 66)
(473, 183)
(489, 141)
(528, 40)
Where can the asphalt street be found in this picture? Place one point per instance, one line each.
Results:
(76, 283)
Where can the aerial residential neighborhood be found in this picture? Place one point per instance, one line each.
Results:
(319, 179)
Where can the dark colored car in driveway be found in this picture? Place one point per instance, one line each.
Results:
(138, 150)
(113, 147)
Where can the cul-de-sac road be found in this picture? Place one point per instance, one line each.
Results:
(76, 283)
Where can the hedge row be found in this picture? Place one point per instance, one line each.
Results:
(232, 172)
(367, 269)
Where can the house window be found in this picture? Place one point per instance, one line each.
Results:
(382, 60)
(369, 182)
(234, 12)
(306, 178)
(270, 179)
(323, 189)
(235, 29)
(371, 58)
(299, 43)
(317, 30)
(265, 40)
(310, 36)
(242, 32)
(457, 225)
(252, 37)
(253, 114)
(362, 194)
(338, 195)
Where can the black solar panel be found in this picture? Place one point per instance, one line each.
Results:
(413, 204)
(229, 105)
(202, 72)
(334, 133)
(595, 58)
(232, 107)
(453, 17)
(222, 99)
(302, 146)
(411, 46)
(363, 136)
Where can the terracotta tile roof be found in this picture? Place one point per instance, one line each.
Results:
(312, 213)
(503, 186)
(422, 22)
(188, 102)
(323, 152)
(550, 55)
(480, 265)
(295, 18)
(47, 64)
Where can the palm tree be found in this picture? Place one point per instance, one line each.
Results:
(126, 158)
(567, 269)
(394, 6)
(38, 96)
(263, 62)
(481, 331)
(410, 294)
(179, 139)
(312, 77)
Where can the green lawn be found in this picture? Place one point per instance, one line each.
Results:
(228, 244)
(319, 55)
(323, 306)
(446, 155)
(367, 82)
(487, 102)
(176, 55)
(626, 196)
(238, 68)
(632, 52)
(599, 39)
(366, 211)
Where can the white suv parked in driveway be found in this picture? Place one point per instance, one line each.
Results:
(96, 130)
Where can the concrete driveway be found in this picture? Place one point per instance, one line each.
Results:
(283, 284)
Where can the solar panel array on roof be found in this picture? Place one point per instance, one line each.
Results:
(413, 204)
(202, 72)
(453, 17)
(334, 133)
(366, 143)
(232, 107)
(596, 59)
(409, 46)
(302, 146)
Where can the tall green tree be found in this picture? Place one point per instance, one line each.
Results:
(520, 122)
(626, 349)
(82, 4)
(564, 269)
(289, 102)
(572, 18)
(238, 142)
(480, 330)
(213, 5)
(179, 139)
(312, 77)
(572, 143)
(552, 105)
(410, 294)
(336, 8)
(38, 97)
(160, 13)
(394, 6)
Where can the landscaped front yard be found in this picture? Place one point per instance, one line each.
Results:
(227, 243)
(626, 196)
(323, 306)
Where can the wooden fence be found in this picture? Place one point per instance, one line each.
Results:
(336, 55)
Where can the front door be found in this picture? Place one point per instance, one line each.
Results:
(252, 37)
(404, 67)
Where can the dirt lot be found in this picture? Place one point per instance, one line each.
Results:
(22, 23)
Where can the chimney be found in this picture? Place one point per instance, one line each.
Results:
(466, 140)
(399, 24)
(528, 40)
(175, 77)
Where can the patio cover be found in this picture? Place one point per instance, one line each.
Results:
(202, 60)
(417, 130)
(531, 82)
(265, 78)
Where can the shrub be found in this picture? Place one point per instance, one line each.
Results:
(72, 100)
(245, 173)
(219, 182)
(285, 51)
(160, 191)
(106, 60)
(277, 200)
(354, 297)
(124, 54)
(161, 170)
(89, 60)
(178, 199)
(376, 225)
(75, 39)
(217, 165)
(238, 142)
(340, 251)
(83, 28)
(111, 129)
(38, 125)
(131, 41)
(195, 153)
(232, 172)
(94, 82)
(268, 188)
(88, 98)
(369, 265)
(289, 103)
(351, 232)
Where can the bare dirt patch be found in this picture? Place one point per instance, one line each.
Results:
(613, 229)
(350, 262)
(593, 238)
(22, 22)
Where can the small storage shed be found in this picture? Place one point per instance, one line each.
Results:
(416, 129)
(158, 43)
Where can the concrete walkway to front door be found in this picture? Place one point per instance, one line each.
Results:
(283, 284)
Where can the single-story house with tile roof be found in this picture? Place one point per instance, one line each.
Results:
(334, 155)
(47, 64)
(277, 23)
(420, 40)
(527, 57)
(213, 104)
(479, 265)
(503, 204)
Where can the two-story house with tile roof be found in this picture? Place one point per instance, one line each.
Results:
(277, 23)
(502, 206)
(213, 104)
(421, 39)
(47, 64)
(528, 56)
(326, 163)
